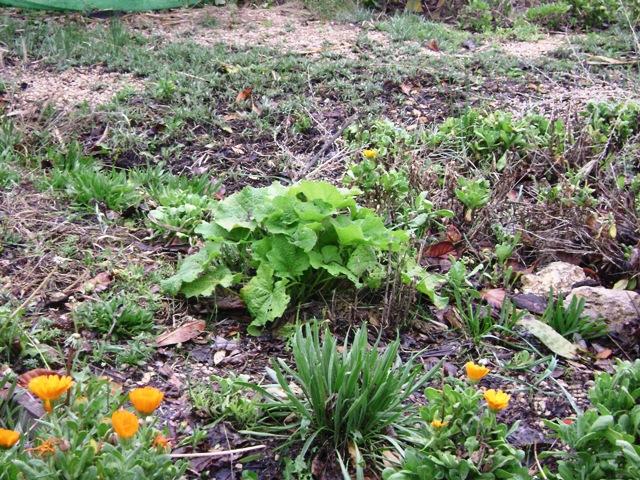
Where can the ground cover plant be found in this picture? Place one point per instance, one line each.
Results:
(369, 240)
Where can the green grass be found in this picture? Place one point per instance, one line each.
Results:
(409, 27)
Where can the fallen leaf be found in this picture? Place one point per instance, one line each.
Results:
(494, 296)
(440, 249)
(97, 284)
(182, 334)
(453, 234)
(405, 88)
(604, 354)
(244, 95)
(547, 335)
(390, 458)
(433, 45)
(26, 377)
(218, 357)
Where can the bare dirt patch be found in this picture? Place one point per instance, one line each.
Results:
(31, 88)
(289, 27)
(535, 49)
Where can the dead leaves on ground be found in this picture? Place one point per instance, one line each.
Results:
(184, 333)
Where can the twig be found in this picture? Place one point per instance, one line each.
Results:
(327, 143)
(217, 454)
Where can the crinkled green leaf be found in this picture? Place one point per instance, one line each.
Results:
(363, 259)
(206, 284)
(305, 238)
(265, 298)
(349, 232)
(246, 208)
(191, 268)
(313, 190)
(287, 260)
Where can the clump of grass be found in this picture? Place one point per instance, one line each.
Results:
(406, 27)
(569, 320)
(349, 397)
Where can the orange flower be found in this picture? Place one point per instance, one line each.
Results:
(438, 423)
(146, 399)
(8, 438)
(475, 372)
(124, 423)
(49, 387)
(370, 154)
(47, 447)
(161, 442)
(496, 400)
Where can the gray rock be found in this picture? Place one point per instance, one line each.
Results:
(557, 276)
(619, 308)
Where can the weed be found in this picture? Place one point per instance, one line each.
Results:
(350, 396)
(473, 194)
(118, 315)
(569, 321)
(299, 241)
(225, 399)
(603, 441)
(549, 15)
(408, 27)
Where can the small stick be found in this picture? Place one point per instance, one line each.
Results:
(217, 454)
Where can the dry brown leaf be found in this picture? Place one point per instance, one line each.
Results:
(604, 354)
(494, 296)
(440, 249)
(182, 334)
(405, 88)
(26, 377)
(244, 95)
(433, 45)
(97, 284)
(219, 356)
(453, 234)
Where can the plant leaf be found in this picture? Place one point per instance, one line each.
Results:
(547, 335)
(266, 299)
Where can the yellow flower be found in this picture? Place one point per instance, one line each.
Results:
(124, 423)
(370, 154)
(496, 400)
(161, 442)
(438, 423)
(475, 372)
(8, 438)
(146, 399)
(49, 387)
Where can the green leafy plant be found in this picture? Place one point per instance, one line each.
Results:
(568, 320)
(602, 13)
(457, 439)
(612, 123)
(226, 399)
(473, 194)
(492, 139)
(119, 315)
(284, 244)
(550, 15)
(344, 398)
(604, 441)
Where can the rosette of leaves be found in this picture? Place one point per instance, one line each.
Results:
(285, 244)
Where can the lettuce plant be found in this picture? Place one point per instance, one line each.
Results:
(282, 244)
